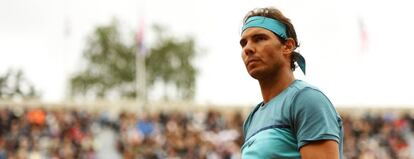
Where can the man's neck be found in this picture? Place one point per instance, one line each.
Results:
(273, 86)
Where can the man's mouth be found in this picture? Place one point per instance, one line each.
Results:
(252, 61)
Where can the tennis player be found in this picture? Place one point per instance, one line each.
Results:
(295, 119)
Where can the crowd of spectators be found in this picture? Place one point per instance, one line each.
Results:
(379, 136)
(186, 135)
(37, 133)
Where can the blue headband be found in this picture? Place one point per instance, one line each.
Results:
(266, 23)
(276, 27)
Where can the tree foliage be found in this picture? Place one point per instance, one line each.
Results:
(170, 62)
(110, 67)
(14, 85)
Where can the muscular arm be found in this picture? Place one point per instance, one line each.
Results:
(323, 149)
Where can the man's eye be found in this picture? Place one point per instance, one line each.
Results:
(260, 38)
(243, 43)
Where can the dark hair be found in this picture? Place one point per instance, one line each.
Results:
(274, 13)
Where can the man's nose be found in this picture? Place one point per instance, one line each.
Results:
(248, 49)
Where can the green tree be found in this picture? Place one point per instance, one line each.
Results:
(14, 85)
(170, 62)
(110, 64)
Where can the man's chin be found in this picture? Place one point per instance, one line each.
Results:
(255, 74)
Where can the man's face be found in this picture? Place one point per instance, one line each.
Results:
(262, 52)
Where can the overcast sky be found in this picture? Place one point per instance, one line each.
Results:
(46, 38)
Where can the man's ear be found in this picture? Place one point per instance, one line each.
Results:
(289, 46)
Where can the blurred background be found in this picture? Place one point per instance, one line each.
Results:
(164, 79)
